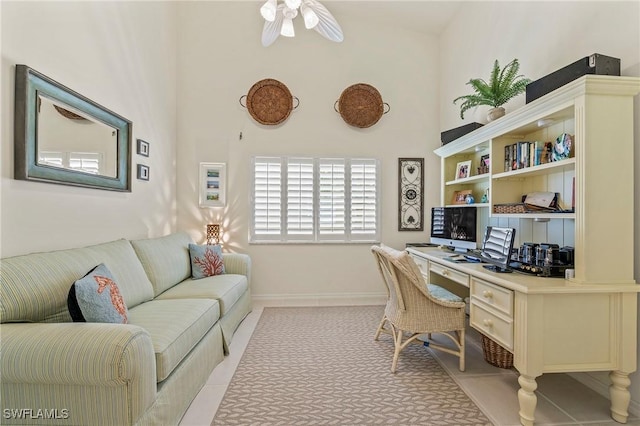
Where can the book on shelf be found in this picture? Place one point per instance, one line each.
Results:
(523, 154)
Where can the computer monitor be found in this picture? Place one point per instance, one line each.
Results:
(496, 248)
(454, 227)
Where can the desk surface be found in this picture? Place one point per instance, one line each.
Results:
(521, 282)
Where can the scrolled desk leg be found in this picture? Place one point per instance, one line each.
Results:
(620, 396)
(527, 399)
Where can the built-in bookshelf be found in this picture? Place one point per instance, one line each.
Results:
(593, 183)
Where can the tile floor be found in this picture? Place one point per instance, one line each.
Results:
(561, 399)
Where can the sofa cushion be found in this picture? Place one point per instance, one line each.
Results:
(96, 298)
(126, 268)
(165, 259)
(35, 286)
(227, 289)
(176, 327)
(206, 261)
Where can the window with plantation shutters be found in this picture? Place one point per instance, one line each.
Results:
(315, 200)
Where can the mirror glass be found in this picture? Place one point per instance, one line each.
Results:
(71, 139)
(63, 137)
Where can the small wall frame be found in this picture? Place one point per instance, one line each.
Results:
(142, 147)
(213, 184)
(142, 172)
(410, 194)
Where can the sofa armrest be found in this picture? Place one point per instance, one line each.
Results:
(76, 354)
(90, 371)
(237, 263)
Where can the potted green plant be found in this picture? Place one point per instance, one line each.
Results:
(503, 85)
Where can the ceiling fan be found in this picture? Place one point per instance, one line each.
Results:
(279, 20)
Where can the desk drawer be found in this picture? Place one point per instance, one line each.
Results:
(490, 324)
(423, 264)
(499, 298)
(449, 273)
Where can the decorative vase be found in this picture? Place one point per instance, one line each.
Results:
(495, 113)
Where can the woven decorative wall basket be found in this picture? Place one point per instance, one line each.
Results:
(361, 105)
(269, 102)
(68, 114)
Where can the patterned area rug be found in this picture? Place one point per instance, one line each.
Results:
(321, 366)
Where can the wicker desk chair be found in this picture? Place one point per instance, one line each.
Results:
(415, 308)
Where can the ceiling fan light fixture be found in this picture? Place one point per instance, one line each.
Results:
(279, 16)
(287, 28)
(268, 10)
(310, 17)
(293, 4)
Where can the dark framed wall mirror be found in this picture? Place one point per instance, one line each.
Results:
(63, 137)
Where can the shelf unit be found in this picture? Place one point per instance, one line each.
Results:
(597, 178)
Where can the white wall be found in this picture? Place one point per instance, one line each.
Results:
(544, 36)
(220, 42)
(122, 56)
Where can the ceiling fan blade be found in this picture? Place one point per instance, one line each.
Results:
(271, 30)
(327, 26)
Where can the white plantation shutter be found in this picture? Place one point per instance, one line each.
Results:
(364, 199)
(332, 198)
(299, 197)
(315, 200)
(88, 162)
(55, 159)
(267, 199)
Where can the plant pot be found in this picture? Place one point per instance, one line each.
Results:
(495, 113)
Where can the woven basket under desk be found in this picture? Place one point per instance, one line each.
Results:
(495, 354)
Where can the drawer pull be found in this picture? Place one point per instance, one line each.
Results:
(445, 272)
(488, 294)
(487, 323)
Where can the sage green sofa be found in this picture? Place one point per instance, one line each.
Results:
(146, 372)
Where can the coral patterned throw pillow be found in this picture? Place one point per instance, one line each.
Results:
(206, 261)
(96, 298)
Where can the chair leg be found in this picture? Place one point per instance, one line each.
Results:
(462, 351)
(380, 327)
(396, 352)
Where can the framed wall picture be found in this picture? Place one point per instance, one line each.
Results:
(410, 194)
(142, 147)
(213, 184)
(463, 169)
(143, 172)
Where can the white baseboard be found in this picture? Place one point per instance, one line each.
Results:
(602, 387)
(324, 299)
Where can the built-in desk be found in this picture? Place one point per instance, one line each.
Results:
(551, 325)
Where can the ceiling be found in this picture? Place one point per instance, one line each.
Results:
(425, 16)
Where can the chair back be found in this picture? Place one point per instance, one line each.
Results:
(401, 276)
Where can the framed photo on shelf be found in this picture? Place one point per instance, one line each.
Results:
(463, 170)
(484, 165)
(460, 197)
(213, 184)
